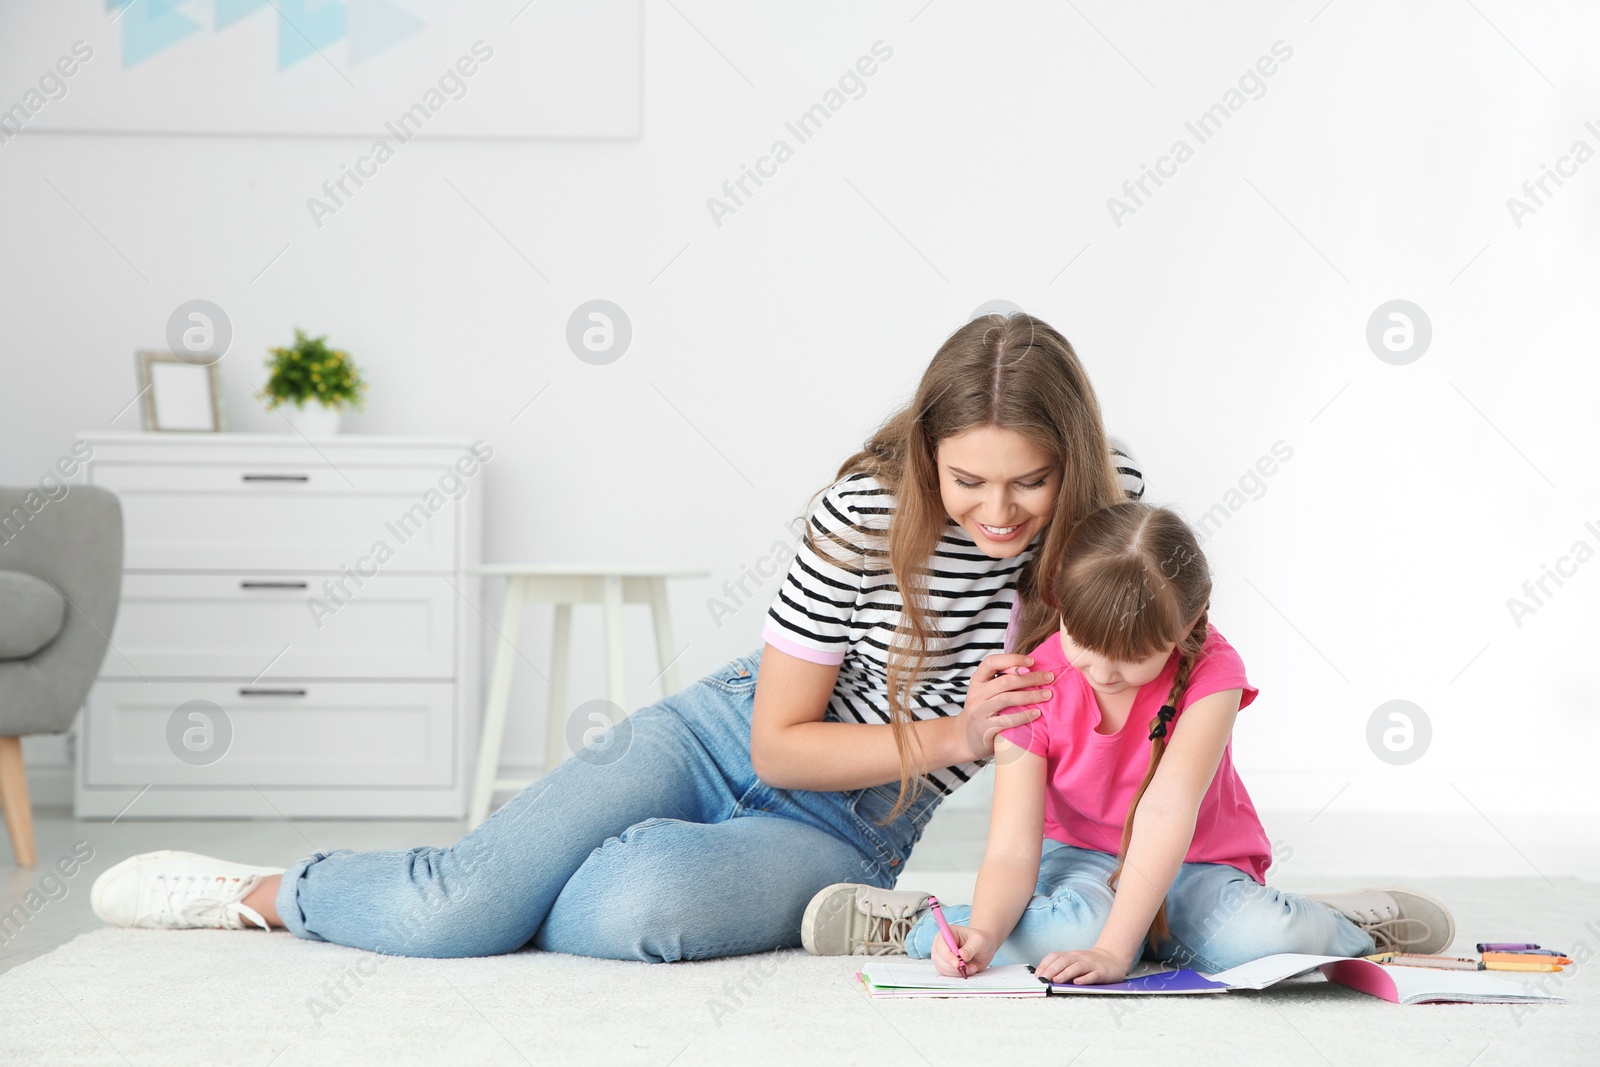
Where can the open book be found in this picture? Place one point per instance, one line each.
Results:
(1398, 985)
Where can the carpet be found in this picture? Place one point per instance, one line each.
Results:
(221, 997)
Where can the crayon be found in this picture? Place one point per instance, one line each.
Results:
(1442, 963)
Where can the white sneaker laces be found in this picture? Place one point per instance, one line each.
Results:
(1385, 931)
(885, 936)
(189, 900)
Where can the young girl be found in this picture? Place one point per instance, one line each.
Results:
(717, 813)
(1151, 846)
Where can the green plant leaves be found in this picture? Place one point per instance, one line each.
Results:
(309, 371)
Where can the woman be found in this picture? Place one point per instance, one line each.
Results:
(702, 825)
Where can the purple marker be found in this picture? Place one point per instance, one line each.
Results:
(1504, 946)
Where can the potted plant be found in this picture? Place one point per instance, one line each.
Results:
(313, 384)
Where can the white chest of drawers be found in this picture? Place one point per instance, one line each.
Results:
(296, 635)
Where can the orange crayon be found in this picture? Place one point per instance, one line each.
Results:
(1520, 957)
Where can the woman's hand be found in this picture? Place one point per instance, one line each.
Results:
(1088, 966)
(977, 949)
(995, 689)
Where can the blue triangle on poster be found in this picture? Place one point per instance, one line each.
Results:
(302, 31)
(231, 11)
(150, 26)
(376, 26)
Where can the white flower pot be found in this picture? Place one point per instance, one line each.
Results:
(313, 420)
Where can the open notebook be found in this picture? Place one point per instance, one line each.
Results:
(917, 978)
(1398, 985)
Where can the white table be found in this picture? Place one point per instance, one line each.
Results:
(564, 586)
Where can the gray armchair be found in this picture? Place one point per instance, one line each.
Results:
(60, 584)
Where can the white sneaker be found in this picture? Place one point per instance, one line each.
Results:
(851, 919)
(1399, 920)
(178, 891)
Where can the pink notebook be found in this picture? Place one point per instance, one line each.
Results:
(1424, 985)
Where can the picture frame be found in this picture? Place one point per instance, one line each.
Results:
(177, 395)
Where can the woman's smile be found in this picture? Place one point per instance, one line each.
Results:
(1002, 533)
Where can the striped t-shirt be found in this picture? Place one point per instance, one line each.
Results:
(846, 612)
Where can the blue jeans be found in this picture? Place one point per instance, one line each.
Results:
(657, 842)
(1218, 916)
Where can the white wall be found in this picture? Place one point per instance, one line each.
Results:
(1228, 313)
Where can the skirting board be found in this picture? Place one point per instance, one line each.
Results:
(273, 803)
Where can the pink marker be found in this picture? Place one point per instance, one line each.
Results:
(949, 935)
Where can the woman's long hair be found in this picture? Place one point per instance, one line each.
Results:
(1015, 373)
(1134, 583)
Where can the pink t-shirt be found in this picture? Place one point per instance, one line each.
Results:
(1092, 777)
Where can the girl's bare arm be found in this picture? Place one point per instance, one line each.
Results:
(1010, 868)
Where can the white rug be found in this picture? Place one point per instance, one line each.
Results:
(214, 997)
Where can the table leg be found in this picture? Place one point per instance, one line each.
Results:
(555, 734)
(494, 713)
(666, 655)
(616, 666)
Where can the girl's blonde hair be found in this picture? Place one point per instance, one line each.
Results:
(1134, 583)
(1012, 372)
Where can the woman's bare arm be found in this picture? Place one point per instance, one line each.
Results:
(791, 747)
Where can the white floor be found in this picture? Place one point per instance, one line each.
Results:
(1312, 852)
(133, 997)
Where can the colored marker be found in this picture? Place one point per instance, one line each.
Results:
(1505, 946)
(949, 936)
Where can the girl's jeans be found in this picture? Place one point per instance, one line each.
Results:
(1217, 915)
(656, 842)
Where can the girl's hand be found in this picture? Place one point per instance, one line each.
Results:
(977, 949)
(994, 691)
(1088, 966)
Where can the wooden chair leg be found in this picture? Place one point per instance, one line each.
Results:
(14, 799)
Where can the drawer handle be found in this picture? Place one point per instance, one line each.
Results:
(247, 691)
(272, 585)
(277, 477)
